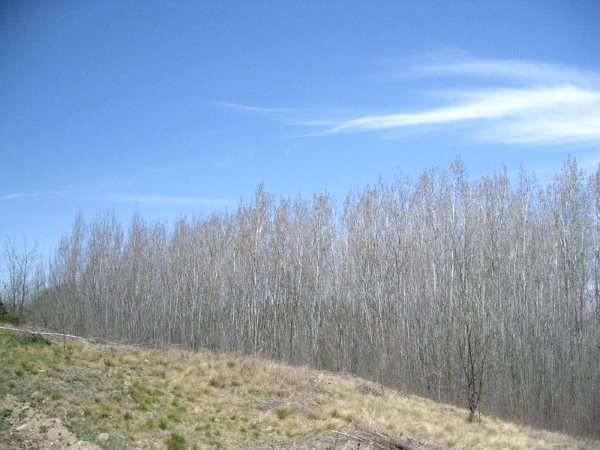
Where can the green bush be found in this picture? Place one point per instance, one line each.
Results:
(3, 310)
(8, 316)
(13, 318)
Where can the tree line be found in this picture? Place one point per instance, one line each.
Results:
(478, 292)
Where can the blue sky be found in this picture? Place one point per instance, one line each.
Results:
(172, 108)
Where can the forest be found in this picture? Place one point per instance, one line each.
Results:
(480, 292)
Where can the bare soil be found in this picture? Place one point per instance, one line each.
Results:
(22, 427)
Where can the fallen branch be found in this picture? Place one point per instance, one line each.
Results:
(379, 440)
(45, 333)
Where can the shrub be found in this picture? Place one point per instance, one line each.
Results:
(34, 338)
(3, 310)
(6, 315)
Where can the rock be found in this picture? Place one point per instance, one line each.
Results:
(103, 437)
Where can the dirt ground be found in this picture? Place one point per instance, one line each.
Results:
(21, 427)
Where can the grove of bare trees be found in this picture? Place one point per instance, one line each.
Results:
(478, 292)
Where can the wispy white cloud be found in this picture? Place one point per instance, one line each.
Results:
(312, 117)
(18, 196)
(171, 200)
(521, 71)
(29, 195)
(549, 104)
(249, 109)
(505, 101)
(565, 111)
(167, 200)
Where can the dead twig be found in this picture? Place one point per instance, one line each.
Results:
(379, 440)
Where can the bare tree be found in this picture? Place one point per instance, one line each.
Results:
(21, 268)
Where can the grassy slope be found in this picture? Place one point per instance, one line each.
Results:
(176, 399)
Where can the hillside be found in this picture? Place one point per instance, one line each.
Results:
(88, 396)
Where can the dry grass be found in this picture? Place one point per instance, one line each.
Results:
(176, 399)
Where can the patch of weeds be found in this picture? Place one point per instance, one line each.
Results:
(160, 373)
(216, 443)
(43, 429)
(312, 416)
(93, 376)
(4, 414)
(176, 414)
(54, 394)
(34, 338)
(206, 390)
(28, 367)
(163, 424)
(148, 425)
(142, 395)
(203, 427)
(125, 360)
(120, 376)
(3, 390)
(217, 381)
(104, 412)
(255, 430)
(176, 441)
(284, 413)
(141, 407)
(127, 416)
(335, 414)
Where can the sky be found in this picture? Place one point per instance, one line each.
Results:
(183, 108)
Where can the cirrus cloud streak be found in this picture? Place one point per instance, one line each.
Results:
(171, 200)
(550, 104)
